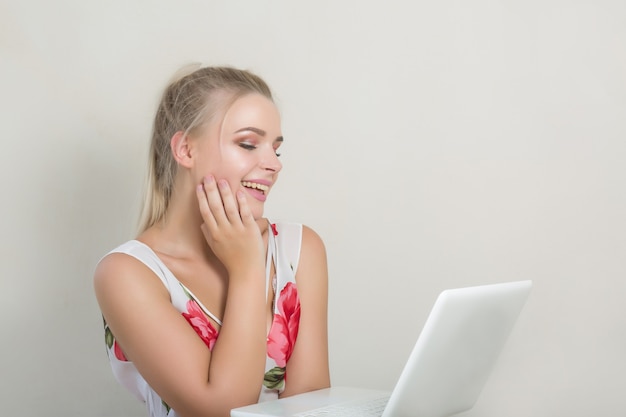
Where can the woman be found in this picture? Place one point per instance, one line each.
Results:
(212, 306)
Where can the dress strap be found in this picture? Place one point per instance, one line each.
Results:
(271, 259)
(287, 241)
(197, 300)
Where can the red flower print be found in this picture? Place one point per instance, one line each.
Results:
(119, 354)
(284, 329)
(274, 230)
(200, 323)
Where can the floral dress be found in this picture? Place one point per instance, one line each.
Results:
(284, 251)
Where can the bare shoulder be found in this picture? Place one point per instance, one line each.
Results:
(112, 264)
(313, 262)
(115, 267)
(312, 243)
(120, 276)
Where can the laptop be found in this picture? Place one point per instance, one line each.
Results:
(445, 372)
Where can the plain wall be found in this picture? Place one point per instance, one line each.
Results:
(430, 144)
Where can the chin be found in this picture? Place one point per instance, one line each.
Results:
(257, 213)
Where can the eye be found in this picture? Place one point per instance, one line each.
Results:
(247, 146)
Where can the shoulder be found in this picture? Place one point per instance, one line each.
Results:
(120, 275)
(312, 243)
(297, 231)
(313, 263)
(298, 240)
(302, 247)
(116, 264)
(119, 261)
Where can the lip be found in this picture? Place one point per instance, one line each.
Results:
(260, 181)
(257, 194)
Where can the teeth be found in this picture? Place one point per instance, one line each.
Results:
(260, 187)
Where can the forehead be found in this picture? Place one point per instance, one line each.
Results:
(252, 110)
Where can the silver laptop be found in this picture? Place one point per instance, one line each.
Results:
(446, 371)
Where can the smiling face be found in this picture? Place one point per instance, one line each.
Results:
(241, 146)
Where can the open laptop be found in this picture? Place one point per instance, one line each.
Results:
(446, 371)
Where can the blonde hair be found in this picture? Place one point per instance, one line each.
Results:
(188, 102)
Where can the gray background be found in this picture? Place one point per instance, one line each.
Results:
(430, 144)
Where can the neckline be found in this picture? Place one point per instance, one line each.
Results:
(169, 271)
(270, 256)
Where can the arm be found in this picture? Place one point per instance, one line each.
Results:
(165, 349)
(307, 368)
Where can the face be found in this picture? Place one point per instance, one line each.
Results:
(241, 146)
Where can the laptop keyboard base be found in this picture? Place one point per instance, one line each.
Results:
(371, 407)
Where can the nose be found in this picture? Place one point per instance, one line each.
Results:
(271, 162)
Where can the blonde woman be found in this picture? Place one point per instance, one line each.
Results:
(213, 306)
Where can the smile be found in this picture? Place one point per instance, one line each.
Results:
(254, 185)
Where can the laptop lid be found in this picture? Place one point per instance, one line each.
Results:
(448, 366)
(457, 349)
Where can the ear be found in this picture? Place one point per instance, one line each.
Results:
(181, 149)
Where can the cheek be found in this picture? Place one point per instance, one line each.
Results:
(232, 172)
(226, 164)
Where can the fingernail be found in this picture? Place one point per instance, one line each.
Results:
(208, 179)
(222, 184)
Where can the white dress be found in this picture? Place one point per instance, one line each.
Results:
(284, 251)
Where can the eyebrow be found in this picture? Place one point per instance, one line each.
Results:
(259, 132)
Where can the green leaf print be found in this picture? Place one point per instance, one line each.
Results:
(274, 378)
(108, 337)
(167, 407)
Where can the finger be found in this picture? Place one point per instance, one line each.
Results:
(228, 201)
(244, 209)
(214, 200)
(205, 211)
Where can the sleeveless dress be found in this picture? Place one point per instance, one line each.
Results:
(283, 249)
